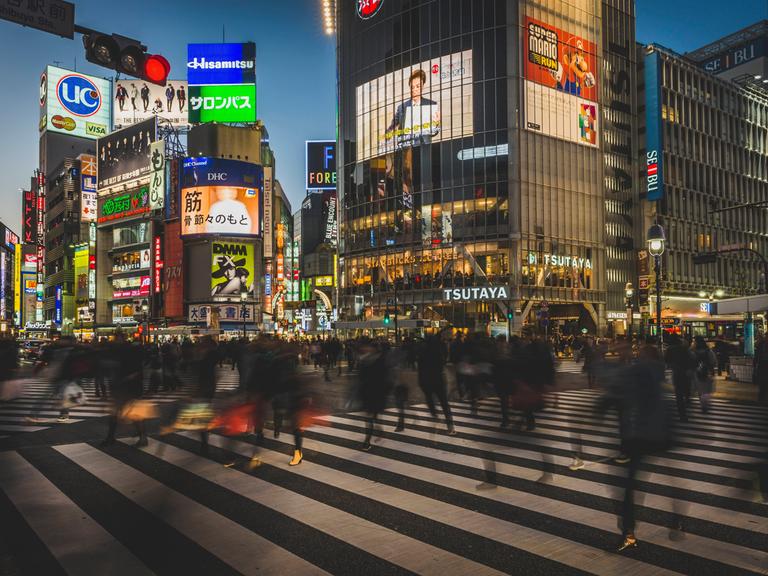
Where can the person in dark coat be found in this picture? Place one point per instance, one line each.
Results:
(643, 426)
(126, 382)
(207, 358)
(681, 360)
(374, 386)
(432, 380)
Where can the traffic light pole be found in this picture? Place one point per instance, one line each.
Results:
(397, 332)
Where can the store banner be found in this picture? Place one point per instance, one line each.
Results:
(227, 312)
(157, 177)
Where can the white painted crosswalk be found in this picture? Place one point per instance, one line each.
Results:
(486, 501)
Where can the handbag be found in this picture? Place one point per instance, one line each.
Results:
(72, 395)
(139, 410)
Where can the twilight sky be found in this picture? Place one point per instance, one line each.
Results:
(295, 65)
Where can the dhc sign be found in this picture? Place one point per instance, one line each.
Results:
(476, 293)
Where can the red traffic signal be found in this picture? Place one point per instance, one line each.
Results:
(156, 69)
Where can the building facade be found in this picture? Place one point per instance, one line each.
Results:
(710, 137)
(487, 144)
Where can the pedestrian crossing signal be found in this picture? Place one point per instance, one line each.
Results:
(386, 318)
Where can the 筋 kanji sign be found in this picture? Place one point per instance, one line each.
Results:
(220, 196)
(221, 81)
(236, 103)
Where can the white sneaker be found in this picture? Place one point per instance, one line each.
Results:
(577, 464)
(62, 419)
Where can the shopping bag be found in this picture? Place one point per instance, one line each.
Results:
(139, 410)
(72, 395)
(194, 416)
(235, 421)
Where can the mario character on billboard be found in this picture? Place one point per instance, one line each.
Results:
(573, 71)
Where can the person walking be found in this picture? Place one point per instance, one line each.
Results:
(207, 358)
(374, 386)
(704, 371)
(432, 380)
(127, 385)
(681, 359)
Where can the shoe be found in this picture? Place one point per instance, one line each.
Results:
(260, 438)
(577, 464)
(399, 428)
(485, 486)
(254, 463)
(451, 431)
(297, 458)
(629, 542)
(229, 464)
(622, 459)
(143, 443)
(366, 447)
(62, 419)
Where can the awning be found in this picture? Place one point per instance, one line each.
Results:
(757, 303)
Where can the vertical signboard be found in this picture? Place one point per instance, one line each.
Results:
(29, 228)
(88, 198)
(157, 177)
(3, 283)
(268, 212)
(320, 165)
(157, 262)
(81, 273)
(57, 310)
(654, 136)
(17, 284)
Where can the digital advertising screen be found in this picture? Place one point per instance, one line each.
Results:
(124, 155)
(229, 103)
(561, 84)
(220, 196)
(75, 104)
(232, 268)
(135, 101)
(227, 63)
(428, 102)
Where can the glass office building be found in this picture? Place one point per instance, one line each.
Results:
(487, 144)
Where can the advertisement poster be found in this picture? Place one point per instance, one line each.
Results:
(561, 84)
(124, 155)
(232, 268)
(209, 64)
(321, 165)
(130, 287)
(74, 104)
(136, 101)
(221, 196)
(88, 196)
(428, 102)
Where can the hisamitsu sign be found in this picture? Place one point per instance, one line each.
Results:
(476, 294)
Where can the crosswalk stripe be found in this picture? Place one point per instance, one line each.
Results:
(700, 546)
(510, 534)
(238, 547)
(61, 525)
(374, 539)
(19, 428)
(701, 511)
(707, 488)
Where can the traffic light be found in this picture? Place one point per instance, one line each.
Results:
(125, 55)
(386, 318)
(510, 314)
(705, 258)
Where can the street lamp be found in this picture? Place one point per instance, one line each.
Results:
(629, 291)
(145, 312)
(243, 298)
(656, 241)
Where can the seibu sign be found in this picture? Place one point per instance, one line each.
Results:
(368, 8)
(476, 294)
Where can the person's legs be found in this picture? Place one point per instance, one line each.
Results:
(442, 396)
(401, 397)
(628, 506)
(504, 404)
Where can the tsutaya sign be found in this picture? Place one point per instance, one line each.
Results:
(476, 293)
(565, 261)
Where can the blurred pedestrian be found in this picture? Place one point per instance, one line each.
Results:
(704, 372)
(127, 385)
(682, 361)
(374, 386)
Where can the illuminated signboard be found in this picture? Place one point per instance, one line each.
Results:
(74, 104)
(562, 261)
(88, 198)
(58, 302)
(368, 8)
(11, 239)
(221, 196)
(320, 165)
(124, 205)
(234, 103)
(136, 101)
(138, 286)
(158, 263)
(209, 64)
(323, 280)
(476, 293)
(232, 268)
(157, 179)
(29, 208)
(81, 272)
(123, 156)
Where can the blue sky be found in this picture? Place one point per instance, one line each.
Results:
(295, 65)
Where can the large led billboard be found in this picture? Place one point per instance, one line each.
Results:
(209, 64)
(561, 84)
(124, 155)
(428, 102)
(73, 103)
(232, 268)
(136, 101)
(235, 103)
(320, 165)
(220, 196)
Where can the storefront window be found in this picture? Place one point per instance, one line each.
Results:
(137, 233)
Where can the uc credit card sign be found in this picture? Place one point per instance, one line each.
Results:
(209, 64)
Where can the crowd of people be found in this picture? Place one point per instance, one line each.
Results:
(271, 391)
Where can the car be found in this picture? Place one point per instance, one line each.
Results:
(30, 350)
